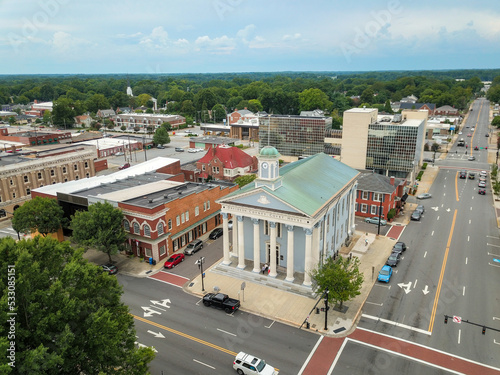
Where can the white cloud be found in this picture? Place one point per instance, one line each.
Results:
(65, 43)
(246, 33)
(157, 38)
(295, 36)
(219, 46)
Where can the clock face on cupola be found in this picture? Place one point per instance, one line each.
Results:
(268, 163)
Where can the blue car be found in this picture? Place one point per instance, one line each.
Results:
(385, 274)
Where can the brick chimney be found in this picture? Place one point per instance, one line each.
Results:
(392, 180)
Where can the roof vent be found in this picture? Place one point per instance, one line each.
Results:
(180, 192)
(165, 196)
(150, 201)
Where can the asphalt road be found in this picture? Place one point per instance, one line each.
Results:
(193, 339)
(449, 266)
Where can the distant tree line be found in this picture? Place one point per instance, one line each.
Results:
(209, 97)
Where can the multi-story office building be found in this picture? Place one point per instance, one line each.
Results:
(294, 136)
(389, 145)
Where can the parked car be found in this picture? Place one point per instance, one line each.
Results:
(124, 166)
(374, 220)
(199, 149)
(192, 150)
(221, 301)
(399, 247)
(471, 158)
(193, 247)
(179, 149)
(416, 215)
(469, 135)
(483, 173)
(472, 175)
(463, 174)
(248, 364)
(385, 274)
(487, 135)
(109, 268)
(482, 191)
(174, 260)
(161, 147)
(427, 160)
(420, 208)
(393, 259)
(119, 154)
(216, 233)
(424, 196)
(482, 184)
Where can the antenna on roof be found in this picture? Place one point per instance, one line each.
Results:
(268, 129)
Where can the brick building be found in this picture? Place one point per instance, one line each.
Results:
(226, 163)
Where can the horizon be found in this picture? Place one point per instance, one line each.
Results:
(238, 36)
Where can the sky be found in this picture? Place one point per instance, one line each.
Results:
(217, 36)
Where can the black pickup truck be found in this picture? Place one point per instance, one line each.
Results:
(221, 301)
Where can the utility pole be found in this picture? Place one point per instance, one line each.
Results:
(326, 309)
(379, 214)
(200, 266)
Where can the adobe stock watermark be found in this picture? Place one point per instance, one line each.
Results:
(221, 7)
(11, 315)
(31, 26)
(364, 36)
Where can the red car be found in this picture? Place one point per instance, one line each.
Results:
(124, 166)
(174, 260)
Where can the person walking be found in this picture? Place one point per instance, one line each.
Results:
(263, 270)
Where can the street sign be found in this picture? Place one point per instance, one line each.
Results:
(457, 319)
(243, 285)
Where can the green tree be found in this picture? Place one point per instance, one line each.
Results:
(245, 180)
(101, 226)
(161, 136)
(167, 125)
(12, 120)
(42, 215)
(341, 277)
(187, 108)
(496, 121)
(96, 102)
(47, 117)
(255, 105)
(63, 113)
(70, 319)
(218, 113)
(143, 99)
(312, 99)
(367, 96)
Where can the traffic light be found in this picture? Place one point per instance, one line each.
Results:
(484, 330)
(446, 319)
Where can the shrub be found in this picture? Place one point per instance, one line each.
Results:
(424, 166)
(419, 176)
(391, 214)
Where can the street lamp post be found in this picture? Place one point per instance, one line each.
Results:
(200, 266)
(326, 309)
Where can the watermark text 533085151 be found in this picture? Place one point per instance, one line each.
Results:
(11, 315)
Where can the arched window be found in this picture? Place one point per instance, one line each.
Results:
(137, 229)
(126, 225)
(147, 230)
(160, 229)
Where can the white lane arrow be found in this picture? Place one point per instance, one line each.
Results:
(163, 303)
(448, 210)
(149, 312)
(426, 290)
(145, 346)
(405, 287)
(157, 334)
(435, 208)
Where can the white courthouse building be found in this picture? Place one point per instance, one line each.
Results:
(304, 211)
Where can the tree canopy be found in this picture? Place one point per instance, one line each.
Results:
(69, 317)
(42, 215)
(342, 278)
(101, 227)
(161, 136)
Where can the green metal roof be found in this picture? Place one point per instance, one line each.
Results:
(307, 184)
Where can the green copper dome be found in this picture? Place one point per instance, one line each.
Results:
(269, 151)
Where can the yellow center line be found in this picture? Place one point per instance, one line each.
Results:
(456, 185)
(189, 337)
(441, 276)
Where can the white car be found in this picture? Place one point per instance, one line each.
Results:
(192, 150)
(248, 364)
(460, 133)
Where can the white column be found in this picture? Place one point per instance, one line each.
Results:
(225, 240)
(272, 249)
(315, 244)
(241, 247)
(256, 246)
(308, 258)
(353, 213)
(235, 237)
(289, 255)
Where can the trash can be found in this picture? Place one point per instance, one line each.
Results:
(154, 262)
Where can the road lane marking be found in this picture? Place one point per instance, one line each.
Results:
(490, 244)
(311, 354)
(495, 342)
(470, 221)
(463, 293)
(437, 218)
(226, 332)
(495, 318)
(456, 186)
(376, 304)
(494, 265)
(189, 337)
(415, 284)
(441, 276)
(425, 254)
(459, 333)
(384, 286)
(493, 255)
(466, 260)
(204, 364)
(330, 371)
(400, 325)
(270, 325)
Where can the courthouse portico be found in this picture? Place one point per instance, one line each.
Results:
(303, 211)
